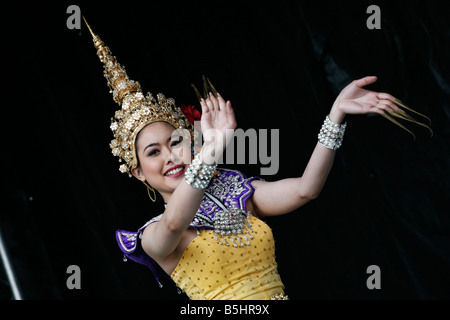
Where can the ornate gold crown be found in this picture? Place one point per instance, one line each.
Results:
(136, 110)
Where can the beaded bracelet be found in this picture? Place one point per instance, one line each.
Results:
(198, 174)
(331, 134)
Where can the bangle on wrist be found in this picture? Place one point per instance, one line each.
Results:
(198, 174)
(331, 134)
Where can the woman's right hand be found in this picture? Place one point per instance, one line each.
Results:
(218, 123)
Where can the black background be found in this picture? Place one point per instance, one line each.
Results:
(282, 64)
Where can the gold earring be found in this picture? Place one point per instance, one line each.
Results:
(150, 189)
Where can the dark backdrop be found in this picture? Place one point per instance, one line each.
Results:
(281, 64)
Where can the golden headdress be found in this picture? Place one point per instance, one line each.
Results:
(136, 110)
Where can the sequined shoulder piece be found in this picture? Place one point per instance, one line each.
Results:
(231, 187)
(126, 240)
(129, 244)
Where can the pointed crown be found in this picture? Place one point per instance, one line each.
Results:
(136, 110)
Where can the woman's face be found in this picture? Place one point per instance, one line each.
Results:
(163, 157)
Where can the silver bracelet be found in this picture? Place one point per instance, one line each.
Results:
(198, 174)
(331, 134)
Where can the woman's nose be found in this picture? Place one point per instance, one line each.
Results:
(172, 156)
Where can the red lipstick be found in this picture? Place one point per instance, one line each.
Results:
(178, 171)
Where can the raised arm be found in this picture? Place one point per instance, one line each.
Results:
(286, 195)
(160, 239)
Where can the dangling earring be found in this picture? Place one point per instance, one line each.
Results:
(150, 189)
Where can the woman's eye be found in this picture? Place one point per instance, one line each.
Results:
(153, 152)
(175, 142)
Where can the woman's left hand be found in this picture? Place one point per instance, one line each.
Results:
(354, 99)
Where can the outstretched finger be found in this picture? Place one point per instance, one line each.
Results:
(214, 101)
(222, 103)
(365, 81)
(230, 113)
(387, 105)
(205, 108)
(385, 96)
(209, 103)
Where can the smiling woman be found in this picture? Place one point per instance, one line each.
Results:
(162, 157)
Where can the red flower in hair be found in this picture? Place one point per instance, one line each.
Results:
(191, 113)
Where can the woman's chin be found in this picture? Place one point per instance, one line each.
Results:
(173, 181)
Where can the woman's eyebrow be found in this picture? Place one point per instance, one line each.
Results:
(151, 145)
(155, 143)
